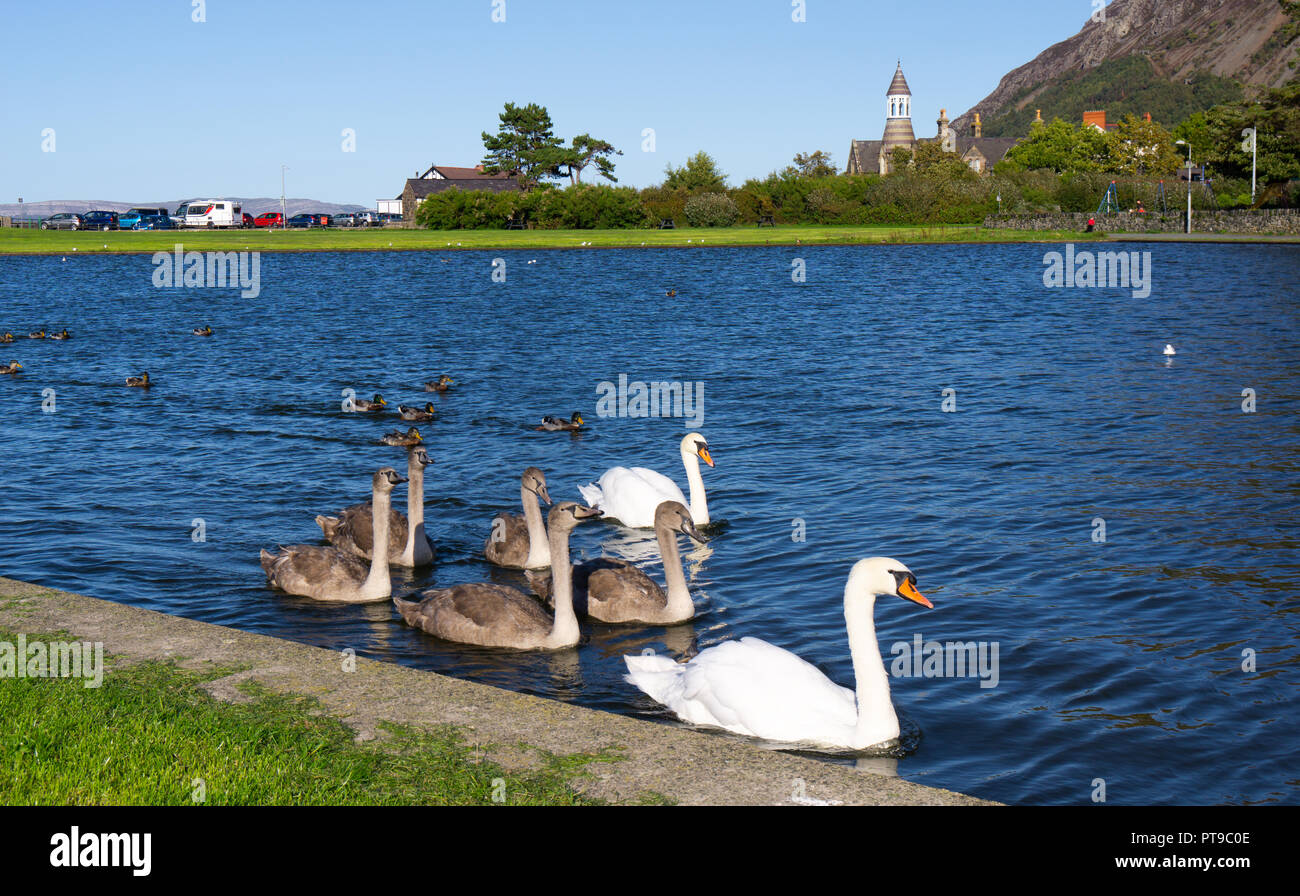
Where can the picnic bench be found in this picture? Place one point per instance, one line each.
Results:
(766, 221)
(667, 224)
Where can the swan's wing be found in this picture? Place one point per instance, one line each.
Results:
(314, 571)
(661, 483)
(355, 531)
(757, 688)
(592, 494)
(507, 542)
(632, 499)
(490, 615)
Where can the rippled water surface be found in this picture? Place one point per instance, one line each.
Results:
(1121, 660)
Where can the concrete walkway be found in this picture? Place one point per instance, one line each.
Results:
(1254, 238)
(688, 767)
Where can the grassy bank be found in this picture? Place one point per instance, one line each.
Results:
(150, 734)
(39, 242)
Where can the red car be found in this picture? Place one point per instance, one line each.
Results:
(269, 219)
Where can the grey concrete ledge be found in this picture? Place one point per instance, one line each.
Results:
(689, 767)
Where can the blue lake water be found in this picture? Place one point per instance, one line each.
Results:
(1119, 659)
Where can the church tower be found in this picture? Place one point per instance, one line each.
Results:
(898, 124)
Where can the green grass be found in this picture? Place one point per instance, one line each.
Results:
(39, 242)
(149, 733)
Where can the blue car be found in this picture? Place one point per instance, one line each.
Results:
(132, 217)
(154, 222)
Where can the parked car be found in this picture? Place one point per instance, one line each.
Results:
(366, 219)
(62, 221)
(345, 219)
(155, 222)
(99, 221)
(269, 219)
(309, 220)
(209, 213)
(128, 219)
(389, 218)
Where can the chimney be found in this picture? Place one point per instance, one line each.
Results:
(943, 122)
(1038, 116)
(1148, 116)
(978, 127)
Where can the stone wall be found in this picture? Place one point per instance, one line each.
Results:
(1283, 221)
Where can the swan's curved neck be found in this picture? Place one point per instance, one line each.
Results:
(680, 605)
(699, 503)
(539, 552)
(414, 507)
(564, 631)
(877, 721)
(378, 582)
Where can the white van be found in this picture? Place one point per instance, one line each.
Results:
(209, 213)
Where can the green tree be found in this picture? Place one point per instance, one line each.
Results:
(1194, 129)
(1138, 146)
(525, 145)
(587, 151)
(814, 164)
(700, 174)
(1061, 147)
(1276, 117)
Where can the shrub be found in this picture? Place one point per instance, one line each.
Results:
(711, 210)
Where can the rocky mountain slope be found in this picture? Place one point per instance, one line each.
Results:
(1245, 40)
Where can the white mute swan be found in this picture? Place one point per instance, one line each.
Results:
(520, 543)
(335, 575)
(754, 688)
(499, 616)
(408, 544)
(632, 496)
(615, 591)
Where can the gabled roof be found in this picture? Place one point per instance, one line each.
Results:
(452, 173)
(421, 187)
(898, 86)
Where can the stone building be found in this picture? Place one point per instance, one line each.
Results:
(876, 156)
(445, 177)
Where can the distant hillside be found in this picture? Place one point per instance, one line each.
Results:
(253, 207)
(1120, 86)
(1166, 57)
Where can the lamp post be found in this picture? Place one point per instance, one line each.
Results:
(1188, 144)
(1248, 145)
(284, 211)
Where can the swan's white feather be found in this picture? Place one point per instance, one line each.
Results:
(631, 496)
(751, 687)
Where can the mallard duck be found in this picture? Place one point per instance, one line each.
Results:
(425, 413)
(63, 334)
(360, 404)
(204, 330)
(141, 381)
(11, 367)
(399, 439)
(555, 424)
(39, 334)
(671, 293)
(7, 338)
(442, 384)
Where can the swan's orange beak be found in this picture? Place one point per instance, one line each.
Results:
(908, 590)
(706, 457)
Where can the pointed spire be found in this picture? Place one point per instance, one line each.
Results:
(898, 87)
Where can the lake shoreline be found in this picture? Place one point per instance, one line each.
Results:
(38, 243)
(645, 761)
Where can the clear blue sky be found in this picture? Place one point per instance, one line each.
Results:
(147, 104)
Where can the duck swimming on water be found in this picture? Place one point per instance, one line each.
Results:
(63, 334)
(399, 439)
(418, 414)
(557, 424)
(360, 404)
(141, 381)
(442, 384)
(204, 330)
(11, 368)
(38, 334)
